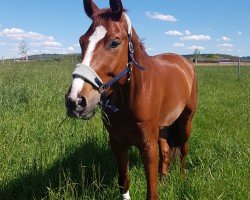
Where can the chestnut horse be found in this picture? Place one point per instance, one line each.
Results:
(149, 101)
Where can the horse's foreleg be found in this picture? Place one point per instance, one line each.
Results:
(121, 155)
(149, 154)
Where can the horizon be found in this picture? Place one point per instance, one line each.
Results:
(55, 27)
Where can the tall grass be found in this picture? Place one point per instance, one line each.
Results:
(44, 155)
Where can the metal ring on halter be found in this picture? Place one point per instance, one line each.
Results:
(131, 47)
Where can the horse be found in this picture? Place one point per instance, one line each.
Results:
(147, 101)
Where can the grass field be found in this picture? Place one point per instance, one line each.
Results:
(44, 155)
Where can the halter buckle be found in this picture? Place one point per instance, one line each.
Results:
(131, 47)
(102, 88)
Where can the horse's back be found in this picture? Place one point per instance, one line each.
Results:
(173, 65)
(177, 61)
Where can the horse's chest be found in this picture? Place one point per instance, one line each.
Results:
(122, 131)
(124, 134)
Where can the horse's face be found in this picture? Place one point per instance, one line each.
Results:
(104, 49)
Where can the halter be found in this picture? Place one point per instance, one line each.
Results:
(87, 72)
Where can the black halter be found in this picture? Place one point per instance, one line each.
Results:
(104, 87)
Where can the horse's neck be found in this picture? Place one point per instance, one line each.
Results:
(134, 86)
(141, 58)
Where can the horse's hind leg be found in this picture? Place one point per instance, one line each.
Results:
(185, 124)
(164, 151)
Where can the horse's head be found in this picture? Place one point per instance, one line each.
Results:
(104, 55)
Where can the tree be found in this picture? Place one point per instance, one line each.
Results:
(23, 49)
(197, 55)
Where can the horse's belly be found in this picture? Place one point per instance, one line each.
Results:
(171, 114)
(176, 90)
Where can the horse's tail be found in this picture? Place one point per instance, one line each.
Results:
(173, 139)
(175, 153)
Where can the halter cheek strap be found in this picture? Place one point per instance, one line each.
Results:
(87, 72)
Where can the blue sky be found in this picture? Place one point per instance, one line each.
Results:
(177, 26)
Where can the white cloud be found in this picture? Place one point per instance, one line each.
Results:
(239, 33)
(20, 34)
(150, 49)
(34, 51)
(162, 17)
(173, 33)
(196, 47)
(226, 46)
(179, 45)
(37, 42)
(46, 44)
(196, 37)
(70, 49)
(38, 36)
(225, 38)
(226, 50)
(51, 44)
(13, 31)
(187, 32)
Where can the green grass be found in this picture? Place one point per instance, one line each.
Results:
(45, 156)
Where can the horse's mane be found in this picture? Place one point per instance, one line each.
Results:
(141, 42)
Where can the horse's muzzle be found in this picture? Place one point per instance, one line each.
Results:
(78, 109)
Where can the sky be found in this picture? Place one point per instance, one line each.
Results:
(176, 26)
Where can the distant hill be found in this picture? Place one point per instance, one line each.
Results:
(247, 59)
(217, 57)
(203, 57)
(53, 56)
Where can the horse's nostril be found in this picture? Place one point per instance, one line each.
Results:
(82, 102)
(76, 107)
(71, 103)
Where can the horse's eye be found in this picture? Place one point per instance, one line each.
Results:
(114, 44)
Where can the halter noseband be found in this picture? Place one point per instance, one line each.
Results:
(87, 72)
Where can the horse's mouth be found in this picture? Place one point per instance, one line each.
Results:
(88, 116)
(81, 115)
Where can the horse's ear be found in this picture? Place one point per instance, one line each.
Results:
(117, 8)
(90, 7)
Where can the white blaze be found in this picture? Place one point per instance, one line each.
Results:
(97, 36)
(76, 88)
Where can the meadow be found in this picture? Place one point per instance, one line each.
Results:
(45, 155)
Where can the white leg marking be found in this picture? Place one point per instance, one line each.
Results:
(126, 196)
(98, 35)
